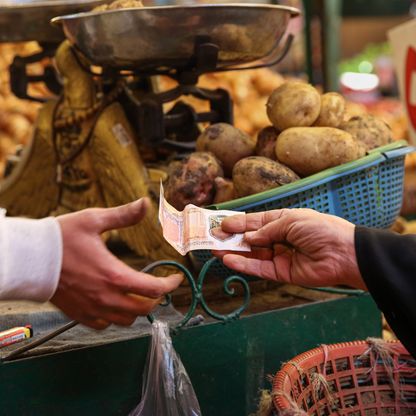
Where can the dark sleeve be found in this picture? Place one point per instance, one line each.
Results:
(387, 262)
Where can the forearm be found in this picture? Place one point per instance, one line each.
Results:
(30, 258)
(387, 263)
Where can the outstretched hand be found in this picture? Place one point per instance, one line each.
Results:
(95, 287)
(298, 246)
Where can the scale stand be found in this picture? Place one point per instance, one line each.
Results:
(227, 38)
(179, 127)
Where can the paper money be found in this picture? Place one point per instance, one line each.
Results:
(197, 228)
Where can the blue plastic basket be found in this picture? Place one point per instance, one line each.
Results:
(366, 192)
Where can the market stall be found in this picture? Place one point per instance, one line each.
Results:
(102, 102)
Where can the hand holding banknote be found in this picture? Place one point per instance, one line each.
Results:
(298, 246)
(197, 228)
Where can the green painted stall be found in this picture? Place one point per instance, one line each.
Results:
(227, 363)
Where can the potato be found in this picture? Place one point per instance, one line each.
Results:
(369, 130)
(309, 150)
(257, 174)
(191, 180)
(332, 110)
(227, 143)
(224, 190)
(293, 104)
(266, 142)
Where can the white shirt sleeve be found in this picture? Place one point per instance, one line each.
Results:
(30, 258)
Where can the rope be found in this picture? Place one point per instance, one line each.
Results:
(296, 365)
(77, 119)
(319, 382)
(385, 352)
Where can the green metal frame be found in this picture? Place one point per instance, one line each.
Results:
(197, 295)
(227, 363)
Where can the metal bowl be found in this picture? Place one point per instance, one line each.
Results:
(166, 36)
(25, 20)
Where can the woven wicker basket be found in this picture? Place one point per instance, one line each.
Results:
(348, 379)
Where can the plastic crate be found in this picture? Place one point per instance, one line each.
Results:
(365, 192)
(348, 379)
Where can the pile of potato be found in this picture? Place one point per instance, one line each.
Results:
(310, 132)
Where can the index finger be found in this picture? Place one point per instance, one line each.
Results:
(241, 223)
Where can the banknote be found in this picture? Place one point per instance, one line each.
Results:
(197, 228)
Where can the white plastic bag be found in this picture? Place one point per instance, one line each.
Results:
(167, 389)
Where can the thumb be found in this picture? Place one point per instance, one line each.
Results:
(122, 216)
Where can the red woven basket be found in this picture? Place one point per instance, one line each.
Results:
(353, 378)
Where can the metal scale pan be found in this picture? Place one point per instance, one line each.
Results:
(25, 20)
(166, 36)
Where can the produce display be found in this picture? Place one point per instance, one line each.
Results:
(310, 132)
(250, 91)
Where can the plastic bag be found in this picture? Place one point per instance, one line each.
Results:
(167, 389)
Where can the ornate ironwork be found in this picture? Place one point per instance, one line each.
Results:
(197, 296)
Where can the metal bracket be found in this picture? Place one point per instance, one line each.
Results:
(156, 128)
(20, 80)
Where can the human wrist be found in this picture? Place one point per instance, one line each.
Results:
(350, 273)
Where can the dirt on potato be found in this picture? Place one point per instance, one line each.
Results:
(372, 132)
(192, 180)
(256, 174)
(227, 143)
